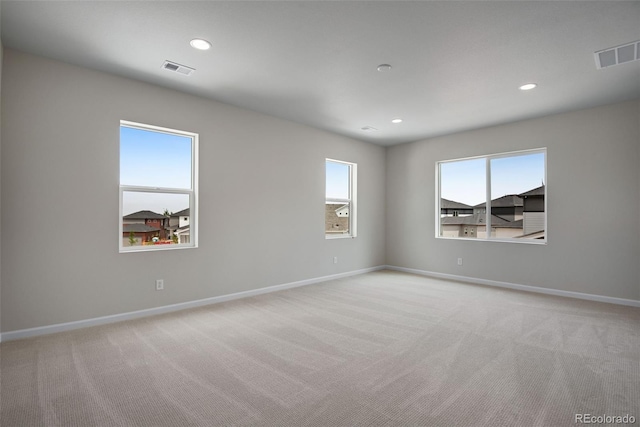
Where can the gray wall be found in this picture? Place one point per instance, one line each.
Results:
(593, 197)
(1, 56)
(59, 200)
(60, 130)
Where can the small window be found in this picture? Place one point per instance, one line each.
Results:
(511, 186)
(340, 200)
(152, 188)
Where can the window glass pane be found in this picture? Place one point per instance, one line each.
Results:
(516, 174)
(336, 218)
(514, 180)
(155, 218)
(337, 183)
(517, 196)
(462, 198)
(154, 159)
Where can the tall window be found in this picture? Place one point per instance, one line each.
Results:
(340, 204)
(497, 197)
(158, 188)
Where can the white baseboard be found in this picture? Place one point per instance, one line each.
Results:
(61, 327)
(528, 288)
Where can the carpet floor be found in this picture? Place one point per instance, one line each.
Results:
(378, 349)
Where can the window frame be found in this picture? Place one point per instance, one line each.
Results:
(487, 208)
(192, 192)
(352, 200)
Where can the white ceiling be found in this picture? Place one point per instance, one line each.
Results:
(456, 65)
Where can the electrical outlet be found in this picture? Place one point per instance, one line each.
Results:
(335, 259)
(160, 285)
(459, 261)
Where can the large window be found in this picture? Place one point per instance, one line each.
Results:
(499, 197)
(340, 203)
(158, 188)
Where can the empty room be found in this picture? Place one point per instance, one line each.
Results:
(319, 213)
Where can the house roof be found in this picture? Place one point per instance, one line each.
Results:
(335, 206)
(480, 219)
(184, 212)
(535, 192)
(185, 229)
(508, 201)
(144, 215)
(138, 228)
(450, 204)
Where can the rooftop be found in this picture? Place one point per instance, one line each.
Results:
(144, 215)
(138, 228)
(450, 204)
(480, 219)
(184, 212)
(510, 200)
(535, 192)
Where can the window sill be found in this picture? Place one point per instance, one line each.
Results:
(156, 248)
(476, 239)
(338, 236)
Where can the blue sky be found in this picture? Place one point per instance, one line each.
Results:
(337, 176)
(154, 159)
(465, 181)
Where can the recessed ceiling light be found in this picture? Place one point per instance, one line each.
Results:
(200, 44)
(398, 120)
(528, 86)
(369, 129)
(384, 68)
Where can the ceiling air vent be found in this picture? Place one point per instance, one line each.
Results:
(182, 69)
(618, 55)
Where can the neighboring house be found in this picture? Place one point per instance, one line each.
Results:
(183, 234)
(177, 220)
(142, 233)
(336, 218)
(149, 218)
(343, 211)
(513, 216)
(475, 225)
(179, 225)
(452, 208)
(533, 212)
(506, 207)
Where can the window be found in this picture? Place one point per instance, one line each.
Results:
(340, 200)
(511, 186)
(158, 188)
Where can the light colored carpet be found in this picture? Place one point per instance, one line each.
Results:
(380, 349)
